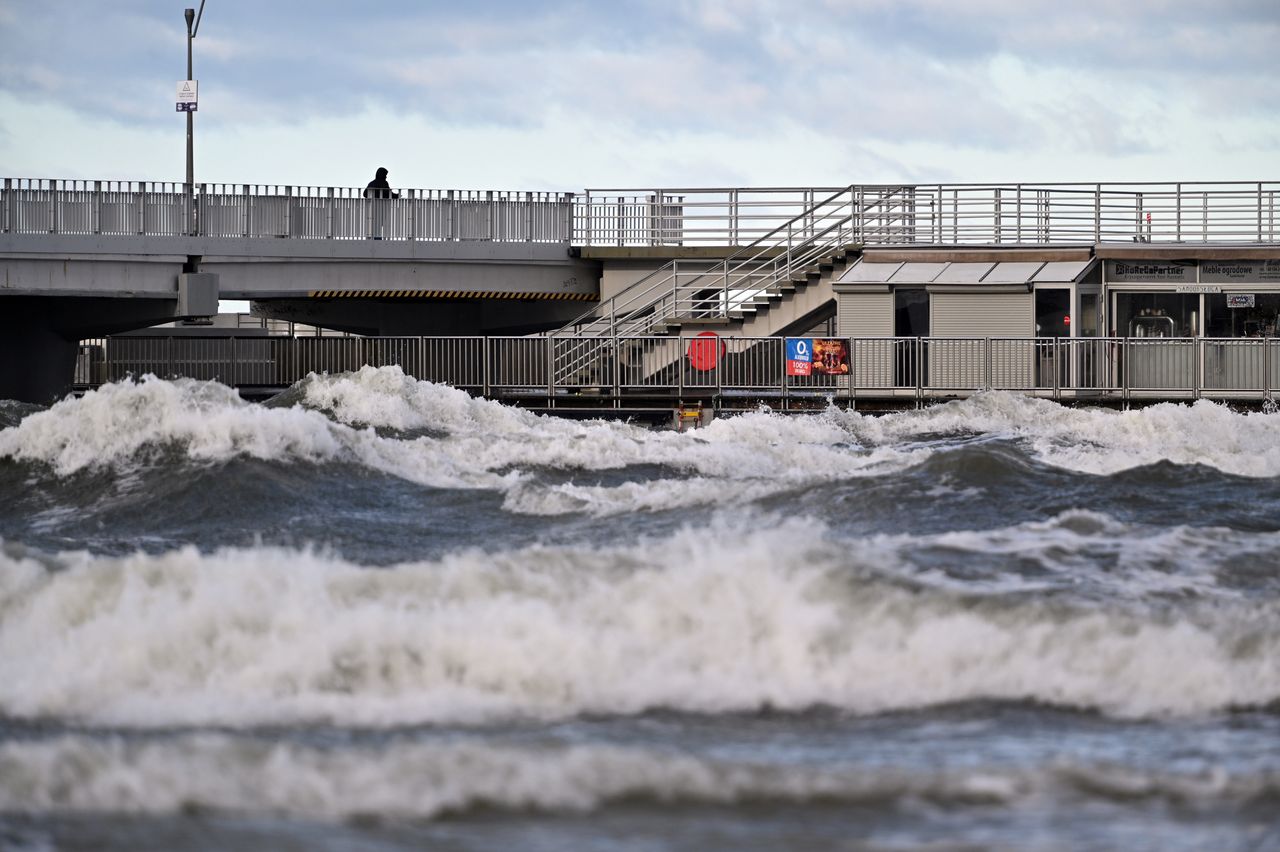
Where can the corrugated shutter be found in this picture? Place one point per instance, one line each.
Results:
(962, 363)
(865, 315)
(868, 315)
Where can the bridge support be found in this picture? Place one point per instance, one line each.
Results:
(39, 338)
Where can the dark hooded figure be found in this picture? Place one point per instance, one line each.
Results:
(379, 188)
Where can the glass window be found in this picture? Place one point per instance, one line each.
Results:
(1156, 315)
(1087, 321)
(1244, 320)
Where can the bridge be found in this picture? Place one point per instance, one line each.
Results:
(87, 258)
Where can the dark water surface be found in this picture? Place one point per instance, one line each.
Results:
(378, 614)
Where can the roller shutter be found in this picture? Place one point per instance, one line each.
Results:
(974, 317)
(862, 315)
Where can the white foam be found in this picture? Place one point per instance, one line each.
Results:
(731, 617)
(486, 445)
(475, 443)
(424, 779)
(1096, 440)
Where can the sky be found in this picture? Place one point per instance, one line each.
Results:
(636, 94)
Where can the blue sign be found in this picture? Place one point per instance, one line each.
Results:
(188, 107)
(799, 356)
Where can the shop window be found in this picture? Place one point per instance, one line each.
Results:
(1053, 313)
(1156, 315)
(1241, 315)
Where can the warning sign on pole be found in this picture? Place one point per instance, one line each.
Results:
(187, 95)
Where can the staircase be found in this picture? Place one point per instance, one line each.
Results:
(760, 290)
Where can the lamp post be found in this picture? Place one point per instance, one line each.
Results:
(193, 24)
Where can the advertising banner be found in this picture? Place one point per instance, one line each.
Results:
(799, 356)
(830, 357)
(817, 356)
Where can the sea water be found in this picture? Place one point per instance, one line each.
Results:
(377, 613)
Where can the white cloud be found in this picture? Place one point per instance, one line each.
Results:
(560, 95)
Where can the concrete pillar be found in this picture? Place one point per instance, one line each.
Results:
(37, 364)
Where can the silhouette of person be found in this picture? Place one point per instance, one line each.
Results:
(378, 187)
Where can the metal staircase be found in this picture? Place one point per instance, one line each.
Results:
(733, 292)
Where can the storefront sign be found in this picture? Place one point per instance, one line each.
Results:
(1240, 271)
(1197, 288)
(1240, 300)
(1154, 271)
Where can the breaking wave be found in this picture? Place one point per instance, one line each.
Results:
(424, 780)
(736, 617)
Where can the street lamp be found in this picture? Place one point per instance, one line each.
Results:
(190, 15)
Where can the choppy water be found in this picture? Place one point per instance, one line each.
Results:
(377, 613)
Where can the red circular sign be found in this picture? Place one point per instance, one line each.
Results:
(705, 350)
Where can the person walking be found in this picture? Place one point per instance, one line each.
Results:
(379, 190)
(378, 187)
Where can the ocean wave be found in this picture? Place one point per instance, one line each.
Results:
(470, 439)
(426, 780)
(734, 617)
(485, 445)
(1094, 440)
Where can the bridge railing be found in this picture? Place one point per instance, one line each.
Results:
(623, 370)
(888, 214)
(140, 208)
(951, 214)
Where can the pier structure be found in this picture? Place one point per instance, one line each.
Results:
(586, 270)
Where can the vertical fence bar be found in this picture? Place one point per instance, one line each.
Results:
(1057, 368)
(551, 369)
(986, 363)
(1177, 189)
(1124, 370)
(1097, 213)
(1197, 372)
(1266, 368)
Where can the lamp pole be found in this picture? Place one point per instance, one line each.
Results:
(190, 15)
(193, 25)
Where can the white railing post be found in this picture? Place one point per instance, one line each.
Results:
(1266, 368)
(1097, 213)
(1177, 189)
(551, 368)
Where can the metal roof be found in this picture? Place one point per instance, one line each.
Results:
(1005, 273)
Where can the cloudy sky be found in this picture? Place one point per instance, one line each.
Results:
(570, 94)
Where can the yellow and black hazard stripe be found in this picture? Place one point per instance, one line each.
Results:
(450, 294)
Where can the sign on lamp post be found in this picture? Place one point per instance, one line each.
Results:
(188, 95)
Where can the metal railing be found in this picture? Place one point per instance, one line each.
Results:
(945, 214)
(623, 371)
(142, 208)
(889, 214)
(774, 264)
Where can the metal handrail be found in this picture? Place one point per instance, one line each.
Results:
(918, 369)
(958, 213)
(648, 291)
